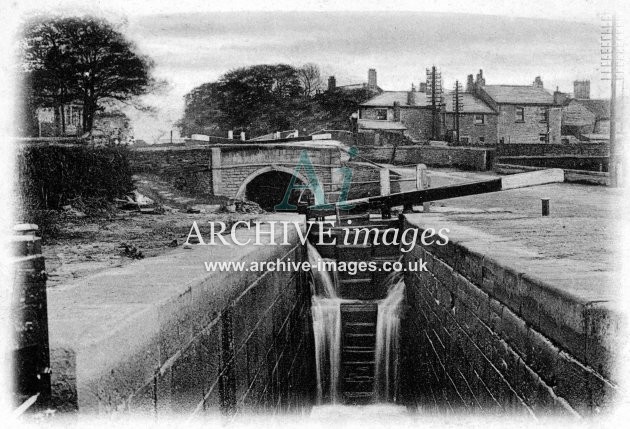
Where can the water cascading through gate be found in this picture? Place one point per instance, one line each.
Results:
(327, 316)
(386, 354)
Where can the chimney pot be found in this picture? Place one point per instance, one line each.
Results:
(372, 79)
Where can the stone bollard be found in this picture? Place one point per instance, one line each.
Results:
(230, 134)
(545, 206)
(242, 135)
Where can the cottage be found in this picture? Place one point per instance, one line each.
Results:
(408, 112)
(526, 113)
(60, 121)
(477, 121)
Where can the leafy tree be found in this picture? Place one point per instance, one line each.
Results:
(258, 99)
(201, 110)
(83, 59)
(265, 98)
(339, 105)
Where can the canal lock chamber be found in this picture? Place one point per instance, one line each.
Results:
(356, 314)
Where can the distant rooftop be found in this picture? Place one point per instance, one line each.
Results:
(387, 99)
(600, 108)
(518, 94)
(353, 86)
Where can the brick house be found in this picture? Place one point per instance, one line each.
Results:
(407, 111)
(526, 113)
(477, 121)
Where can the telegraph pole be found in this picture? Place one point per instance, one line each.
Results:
(610, 65)
(457, 107)
(434, 92)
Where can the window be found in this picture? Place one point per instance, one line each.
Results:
(520, 114)
(464, 140)
(544, 114)
(480, 119)
(543, 137)
(381, 114)
(482, 139)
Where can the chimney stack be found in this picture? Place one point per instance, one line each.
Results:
(397, 110)
(481, 81)
(582, 89)
(538, 83)
(332, 83)
(470, 84)
(372, 79)
(423, 87)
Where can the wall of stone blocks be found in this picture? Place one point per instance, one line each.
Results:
(166, 337)
(571, 162)
(187, 168)
(541, 149)
(483, 336)
(432, 156)
(468, 128)
(531, 128)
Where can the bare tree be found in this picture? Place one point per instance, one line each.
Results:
(310, 79)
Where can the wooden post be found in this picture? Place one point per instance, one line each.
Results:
(423, 182)
(384, 181)
(215, 168)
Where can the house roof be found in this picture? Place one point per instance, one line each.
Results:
(576, 114)
(371, 124)
(518, 94)
(387, 99)
(353, 86)
(600, 108)
(470, 104)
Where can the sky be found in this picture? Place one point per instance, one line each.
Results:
(196, 42)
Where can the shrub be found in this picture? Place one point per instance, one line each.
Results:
(50, 177)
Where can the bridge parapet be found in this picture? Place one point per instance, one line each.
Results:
(226, 170)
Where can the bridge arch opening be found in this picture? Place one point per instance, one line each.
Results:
(268, 186)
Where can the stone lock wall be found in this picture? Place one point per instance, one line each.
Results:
(164, 336)
(491, 327)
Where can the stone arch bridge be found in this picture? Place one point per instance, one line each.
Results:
(261, 172)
